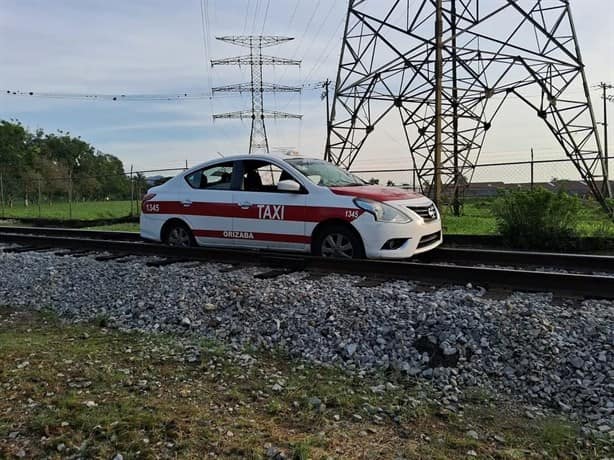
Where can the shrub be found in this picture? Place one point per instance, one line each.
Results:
(536, 219)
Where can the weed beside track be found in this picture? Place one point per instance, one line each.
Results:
(85, 390)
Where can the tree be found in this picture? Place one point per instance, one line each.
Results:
(15, 142)
(58, 162)
(140, 185)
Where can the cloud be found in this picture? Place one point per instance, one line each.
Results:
(157, 46)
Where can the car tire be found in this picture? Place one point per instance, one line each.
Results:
(179, 235)
(338, 241)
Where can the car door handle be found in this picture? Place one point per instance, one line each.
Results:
(186, 203)
(244, 204)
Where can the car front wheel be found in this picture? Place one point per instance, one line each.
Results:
(338, 242)
(179, 236)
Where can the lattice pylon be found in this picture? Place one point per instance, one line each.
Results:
(493, 49)
(258, 139)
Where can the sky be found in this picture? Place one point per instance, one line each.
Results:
(164, 47)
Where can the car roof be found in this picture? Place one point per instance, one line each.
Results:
(254, 156)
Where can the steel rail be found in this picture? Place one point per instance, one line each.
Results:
(579, 262)
(536, 281)
(457, 241)
(72, 233)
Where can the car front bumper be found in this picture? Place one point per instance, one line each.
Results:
(416, 236)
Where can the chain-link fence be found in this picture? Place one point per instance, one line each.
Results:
(119, 195)
(487, 179)
(77, 197)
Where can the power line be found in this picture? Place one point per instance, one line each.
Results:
(204, 21)
(312, 16)
(293, 15)
(253, 29)
(246, 16)
(108, 97)
(266, 14)
(312, 42)
(321, 59)
(188, 95)
(327, 49)
(307, 27)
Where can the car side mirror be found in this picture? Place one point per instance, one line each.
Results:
(288, 186)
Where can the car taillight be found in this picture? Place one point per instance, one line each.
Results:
(149, 196)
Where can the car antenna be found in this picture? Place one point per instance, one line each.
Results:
(220, 154)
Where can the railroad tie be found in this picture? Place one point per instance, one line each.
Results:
(273, 273)
(20, 249)
(164, 262)
(111, 257)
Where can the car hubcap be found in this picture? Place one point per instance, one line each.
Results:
(337, 245)
(179, 237)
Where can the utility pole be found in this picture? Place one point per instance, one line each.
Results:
(456, 203)
(40, 197)
(2, 193)
(70, 194)
(606, 167)
(131, 191)
(258, 141)
(532, 166)
(438, 100)
(327, 148)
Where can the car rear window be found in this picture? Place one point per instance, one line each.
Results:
(216, 177)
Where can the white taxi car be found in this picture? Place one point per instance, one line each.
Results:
(289, 203)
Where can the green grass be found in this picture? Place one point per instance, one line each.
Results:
(594, 222)
(301, 451)
(127, 227)
(84, 210)
(148, 402)
(476, 218)
(556, 433)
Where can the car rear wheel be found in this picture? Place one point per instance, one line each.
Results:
(179, 236)
(340, 242)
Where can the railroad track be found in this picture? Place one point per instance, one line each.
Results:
(461, 256)
(443, 266)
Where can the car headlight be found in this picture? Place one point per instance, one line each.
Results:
(381, 211)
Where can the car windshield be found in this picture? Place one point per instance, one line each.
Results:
(324, 173)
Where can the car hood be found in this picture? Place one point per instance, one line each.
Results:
(375, 192)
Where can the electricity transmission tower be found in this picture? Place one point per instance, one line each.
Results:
(258, 140)
(446, 68)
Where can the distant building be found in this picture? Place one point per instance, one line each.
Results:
(491, 189)
(156, 180)
(151, 180)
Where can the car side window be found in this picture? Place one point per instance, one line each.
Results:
(262, 176)
(217, 177)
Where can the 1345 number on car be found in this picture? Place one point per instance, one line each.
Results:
(152, 207)
(352, 213)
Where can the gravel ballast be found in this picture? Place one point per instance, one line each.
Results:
(555, 354)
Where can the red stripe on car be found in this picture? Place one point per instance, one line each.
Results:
(290, 213)
(228, 234)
